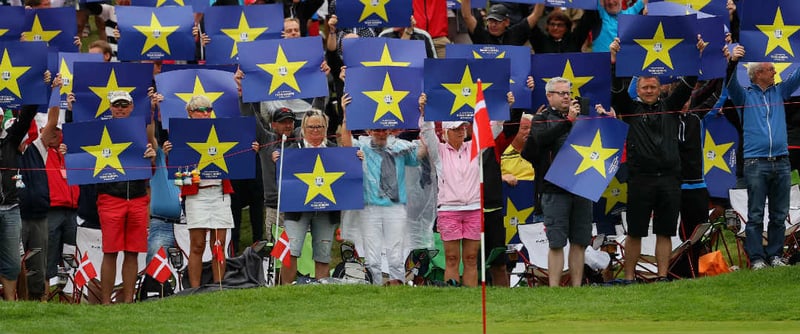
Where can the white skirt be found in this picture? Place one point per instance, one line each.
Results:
(210, 208)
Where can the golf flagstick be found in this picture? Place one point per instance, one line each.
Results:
(278, 215)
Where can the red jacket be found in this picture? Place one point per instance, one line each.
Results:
(194, 188)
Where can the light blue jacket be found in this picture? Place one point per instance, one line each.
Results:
(763, 115)
(404, 153)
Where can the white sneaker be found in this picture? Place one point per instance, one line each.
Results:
(777, 262)
(758, 265)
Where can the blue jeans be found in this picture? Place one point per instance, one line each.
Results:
(10, 227)
(766, 180)
(160, 234)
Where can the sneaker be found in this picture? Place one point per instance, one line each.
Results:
(662, 279)
(758, 265)
(777, 262)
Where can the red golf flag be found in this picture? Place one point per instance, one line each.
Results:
(85, 272)
(281, 249)
(218, 252)
(158, 268)
(481, 129)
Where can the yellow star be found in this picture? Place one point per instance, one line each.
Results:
(106, 153)
(156, 34)
(778, 34)
(377, 7)
(658, 47)
(513, 218)
(577, 82)
(693, 4)
(388, 99)
(243, 33)
(3, 31)
(615, 193)
(102, 93)
(464, 90)
(594, 156)
(199, 90)
(38, 34)
(386, 60)
(282, 71)
(9, 74)
(319, 182)
(715, 154)
(160, 3)
(66, 78)
(212, 152)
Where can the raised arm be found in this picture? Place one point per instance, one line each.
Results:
(466, 12)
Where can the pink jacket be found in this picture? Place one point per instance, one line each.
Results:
(458, 177)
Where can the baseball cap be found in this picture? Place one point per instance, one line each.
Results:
(452, 124)
(497, 12)
(282, 114)
(119, 95)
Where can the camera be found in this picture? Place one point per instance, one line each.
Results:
(583, 103)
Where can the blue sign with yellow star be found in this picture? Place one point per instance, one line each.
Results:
(179, 86)
(520, 65)
(769, 31)
(229, 25)
(281, 69)
(106, 151)
(372, 52)
(321, 179)
(22, 67)
(176, 67)
(615, 198)
(218, 148)
(783, 71)
(720, 140)
(148, 33)
(55, 26)
(64, 65)
(162, 3)
(658, 46)
(452, 85)
(13, 22)
(589, 73)
(383, 97)
(590, 157)
(373, 13)
(456, 4)
(702, 8)
(519, 204)
(94, 81)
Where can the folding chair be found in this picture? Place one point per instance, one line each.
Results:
(534, 238)
(428, 39)
(738, 199)
(647, 268)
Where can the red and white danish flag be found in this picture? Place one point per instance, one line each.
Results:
(281, 249)
(158, 268)
(85, 271)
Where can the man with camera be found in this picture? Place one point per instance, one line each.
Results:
(566, 216)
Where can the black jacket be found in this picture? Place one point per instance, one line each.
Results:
(9, 154)
(549, 130)
(652, 146)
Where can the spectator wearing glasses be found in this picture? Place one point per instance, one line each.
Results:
(384, 225)
(566, 216)
(122, 208)
(322, 224)
(559, 36)
(207, 208)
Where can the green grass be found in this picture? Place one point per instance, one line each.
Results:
(740, 302)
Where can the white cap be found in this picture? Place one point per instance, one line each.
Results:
(119, 95)
(453, 124)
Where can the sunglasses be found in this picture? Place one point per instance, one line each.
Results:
(120, 104)
(203, 110)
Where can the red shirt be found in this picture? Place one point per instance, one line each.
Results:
(431, 16)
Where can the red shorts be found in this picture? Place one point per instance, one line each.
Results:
(123, 223)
